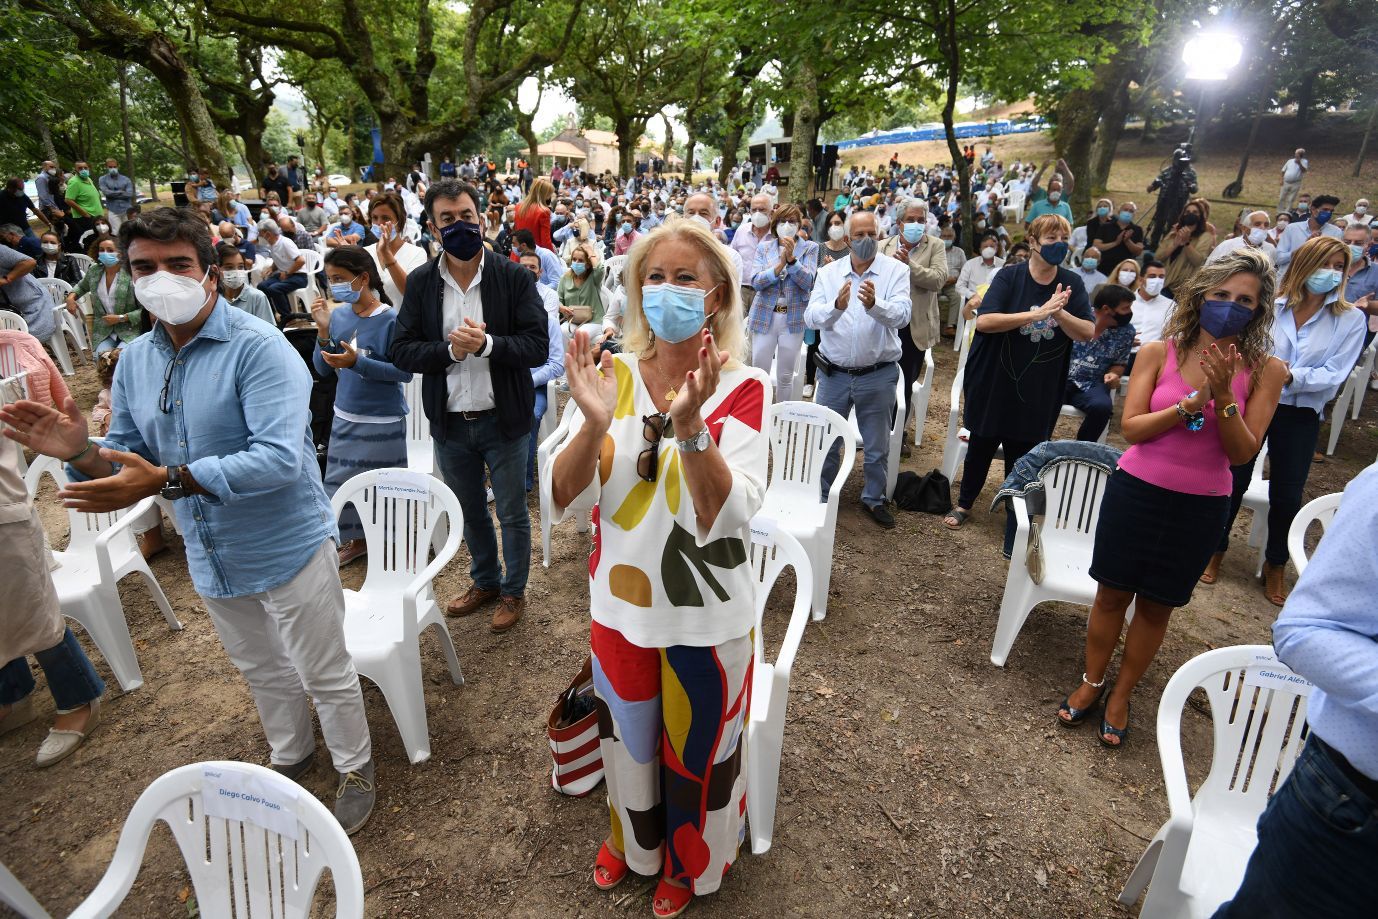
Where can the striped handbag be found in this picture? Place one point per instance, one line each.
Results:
(573, 733)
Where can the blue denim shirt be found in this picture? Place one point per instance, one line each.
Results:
(238, 418)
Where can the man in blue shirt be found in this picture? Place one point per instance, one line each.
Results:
(210, 410)
(1318, 838)
(1053, 200)
(1098, 364)
(118, 190)
(552, 269)
(1299, 231)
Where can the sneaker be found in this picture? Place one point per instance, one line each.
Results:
(881, 515)
(509, 612)
(294, 771)
(808, 390)
(354, 798)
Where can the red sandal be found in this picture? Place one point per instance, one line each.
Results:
(608, 869)
(670, 900)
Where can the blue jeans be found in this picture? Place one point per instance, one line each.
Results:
(108, 343)
(873, 396)
(71, 678)
(537, 414)
(277, 290)
(1291, 437)
(1317, 847)
(471, 449)
(1095, 403)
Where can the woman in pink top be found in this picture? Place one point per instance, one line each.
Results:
(1200, 401)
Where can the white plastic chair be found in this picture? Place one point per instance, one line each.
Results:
(1366, 363)
(9, 358)
(1072, 491)
(84, 262)
(771, 550)
(1258, 714)
(551, 419)
(1071, 411)
(1256, 500)
(892, 466)
(919, 396)
(385, 617)
(58, 289)
(100, 552)
(1350, 399)
(238, 867)
(17, 897)
(57, 343)
(307, 295)
(955, 446)
(1321, 510)
(420, 448)
(9, 320)
(802, 434)
(547, 502)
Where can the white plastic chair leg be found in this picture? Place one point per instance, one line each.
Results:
(58, 344)
(405, 695)
(822, 561)
(1014, 612)
(1143, 872)
(160, 598)
(763, 782)
(101, 615)
(447, 644)
(17, 897)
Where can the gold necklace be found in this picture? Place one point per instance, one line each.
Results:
(670, 391)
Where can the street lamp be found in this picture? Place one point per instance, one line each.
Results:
(1209, 57)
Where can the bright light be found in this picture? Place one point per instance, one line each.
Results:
(1211, 55)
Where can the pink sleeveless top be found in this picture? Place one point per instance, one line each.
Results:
(1190, 462)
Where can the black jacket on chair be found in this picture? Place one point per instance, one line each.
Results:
(516, 319)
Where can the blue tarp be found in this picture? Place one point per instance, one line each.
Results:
(968, 130)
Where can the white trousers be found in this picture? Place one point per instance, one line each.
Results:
(290, 637)
(780, 343)
(116, 221)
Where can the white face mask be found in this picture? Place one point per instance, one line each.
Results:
(1127, 278)
(836, 232)
(1361, 209)
(1257, 235)
(235, 279)
(172, 298)
(988, 253)
(50, 248)
(786, 229)
(760, 219)
(702, 221)
(1153, 286)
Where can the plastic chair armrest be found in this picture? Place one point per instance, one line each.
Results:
(1021, 529)
(131, 514)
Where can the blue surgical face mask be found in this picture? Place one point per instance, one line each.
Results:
(1102, 211)
(109, 258)
(578, 268)
(1054, 253)
(674, 312)
(1090, 263)
(1323, 281)
(913, 232)
(1126, 216)
(626, 227)
(1356, 252)
(1223, 318)
(345, 293)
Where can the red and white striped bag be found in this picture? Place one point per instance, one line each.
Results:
(574, 743)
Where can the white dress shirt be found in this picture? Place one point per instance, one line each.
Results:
(859, 337)
(410, 256)
(1235, 243)
(1296, 235)
(549, 298)
(745, 241)
(1150, 316)
(470, 382)
(1320, 355)
(976, 272)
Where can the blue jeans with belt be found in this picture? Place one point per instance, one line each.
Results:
(1291, 437)
(71, 678)
(472, 449)
(873, 396)
(1317, 845)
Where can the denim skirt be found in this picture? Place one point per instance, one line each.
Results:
(1155, 542)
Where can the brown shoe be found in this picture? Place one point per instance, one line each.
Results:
(473, 598)
(509, 611)
(1274, 584)
(1212, 572)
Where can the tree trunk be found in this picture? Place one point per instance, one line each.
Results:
(45, 136)
(951, 51)
(255, 160)
(152, 189)
(627, 136)
(689, 144)
(1108, 139)
(805, 132)
(669, 148)
(1363, 144)
(1077, 115)
(396, 136)
(124, 124)
(351, 141)
(732, 142)
(1306, 98)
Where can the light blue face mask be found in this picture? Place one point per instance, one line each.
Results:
(344, 293)
(913, 232)
(1090, 263)
(1323, 281)
(674, 312)
(578, 268)
(1102, 211)
(109, 258)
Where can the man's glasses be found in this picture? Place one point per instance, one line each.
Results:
(167, 385)
(654, 432)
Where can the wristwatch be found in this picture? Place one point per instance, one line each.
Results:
(174, 489)
(696, 443)
(1228, 411)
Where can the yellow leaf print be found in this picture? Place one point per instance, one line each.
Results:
(626, 390)
(638, 501)
(671, 476)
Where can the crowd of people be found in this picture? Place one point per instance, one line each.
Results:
(672, 313)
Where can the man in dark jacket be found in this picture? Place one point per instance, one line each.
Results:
(474, 325)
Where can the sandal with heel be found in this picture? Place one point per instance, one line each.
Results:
(1079, 715)
(1118, 733)
(608, 869)
(670, 900)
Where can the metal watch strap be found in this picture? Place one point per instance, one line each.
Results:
(695, 443)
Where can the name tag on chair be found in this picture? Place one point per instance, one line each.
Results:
(401, 483)
(763, 531)
(1267, 673)
(235, 796)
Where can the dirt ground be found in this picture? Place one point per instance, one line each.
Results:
(918, 780)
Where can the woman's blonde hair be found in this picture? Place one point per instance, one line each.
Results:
(726, 324)
(586, 248)
(1313, 254)
(1255, 342)
(1046, 224)
(538, 195)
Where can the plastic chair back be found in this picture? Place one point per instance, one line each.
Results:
(399, 510)
(9, 320)
(9, 357)
(802, 434)
(1073, 492)
(265, 862)
(1258, 718)
(85, 527)
(84, 262)
(57, 289)
(1321, 510)
(420, 450)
